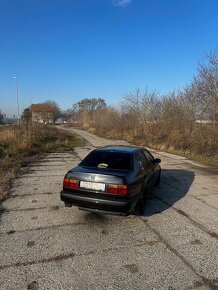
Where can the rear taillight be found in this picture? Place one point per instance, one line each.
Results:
(117, 189)
(71, 183)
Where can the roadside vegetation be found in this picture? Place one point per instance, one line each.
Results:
(183, 122)
(20, 144)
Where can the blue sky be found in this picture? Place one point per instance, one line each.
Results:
(66, 50)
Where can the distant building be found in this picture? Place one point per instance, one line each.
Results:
(1, 117)
(42, 113)
(7, 120)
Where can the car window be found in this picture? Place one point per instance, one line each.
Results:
(142, 158)
(109, 160)
(148, 155)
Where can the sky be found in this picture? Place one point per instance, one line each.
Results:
(67, 50)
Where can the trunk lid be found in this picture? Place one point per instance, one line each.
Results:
(98, 175)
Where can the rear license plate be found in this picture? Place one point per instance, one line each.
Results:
(92, 185)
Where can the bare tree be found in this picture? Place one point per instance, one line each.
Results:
(26, 116)
(84, 110)
(56, 109)
(163, 121)
(145, 104)
(205, 87)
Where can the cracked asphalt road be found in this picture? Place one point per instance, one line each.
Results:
(44, 245)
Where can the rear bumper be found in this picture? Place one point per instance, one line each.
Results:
(107, 206)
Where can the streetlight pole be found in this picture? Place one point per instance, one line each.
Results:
(18, 111)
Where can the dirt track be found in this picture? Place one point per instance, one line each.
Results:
(44, 245)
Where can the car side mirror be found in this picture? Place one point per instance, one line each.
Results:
(157, 160)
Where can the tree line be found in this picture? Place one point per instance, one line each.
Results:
(183, 120)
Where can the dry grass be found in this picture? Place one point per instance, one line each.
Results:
(21, 143)
(198, 143)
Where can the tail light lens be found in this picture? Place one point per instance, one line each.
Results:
(117, 188)
(71, 183)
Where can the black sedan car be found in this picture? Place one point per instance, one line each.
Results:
(112, 180)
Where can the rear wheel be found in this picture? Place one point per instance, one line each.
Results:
(140, 205)
(157, 183)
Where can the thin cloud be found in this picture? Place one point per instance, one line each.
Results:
(121, 3)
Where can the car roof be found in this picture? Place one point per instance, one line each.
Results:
(121, 149)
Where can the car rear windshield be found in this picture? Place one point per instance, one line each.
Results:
(108, 160)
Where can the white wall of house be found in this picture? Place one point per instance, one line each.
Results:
(42, 117)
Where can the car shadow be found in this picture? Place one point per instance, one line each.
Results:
(174, 185)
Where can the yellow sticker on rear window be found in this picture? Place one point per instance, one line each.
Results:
(102, 165)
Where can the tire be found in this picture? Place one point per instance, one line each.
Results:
(67, 204)
(140, 205)
(157, 183)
